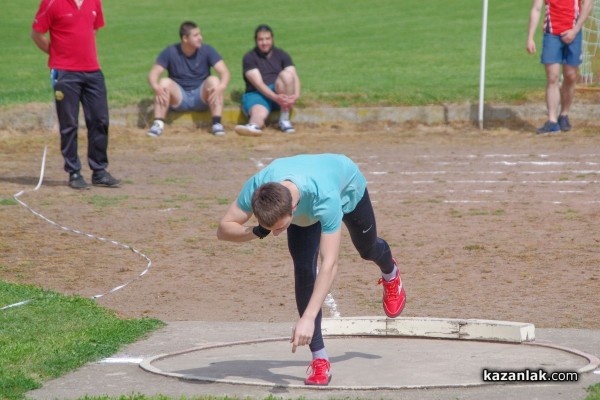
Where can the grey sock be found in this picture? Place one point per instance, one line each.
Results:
(391, 275)
(320, 354)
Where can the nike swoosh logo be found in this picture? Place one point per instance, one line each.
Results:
(368, 229)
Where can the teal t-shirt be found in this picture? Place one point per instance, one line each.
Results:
(330, 186)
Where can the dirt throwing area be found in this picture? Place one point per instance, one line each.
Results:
(496, 224)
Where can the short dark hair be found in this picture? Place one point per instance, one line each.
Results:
(263, 28)
(271, 202)
(185, 28)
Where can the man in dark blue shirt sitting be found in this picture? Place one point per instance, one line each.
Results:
(189, 85)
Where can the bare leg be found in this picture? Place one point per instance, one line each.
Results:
(285, 84)
(258, 115)
(215, 104)
(567, 91)
(161, 108)
(552, 90)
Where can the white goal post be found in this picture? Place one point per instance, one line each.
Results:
(591, 48)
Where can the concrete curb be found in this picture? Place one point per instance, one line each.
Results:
(440, 328)
(25, 118)
(428, 114)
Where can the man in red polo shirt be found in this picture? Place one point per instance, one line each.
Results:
(76, 78)
(562, 25)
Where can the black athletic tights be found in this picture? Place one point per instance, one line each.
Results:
(303, 243)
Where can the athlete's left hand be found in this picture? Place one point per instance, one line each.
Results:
(302, 333)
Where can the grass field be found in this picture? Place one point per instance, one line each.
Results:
(55, 334)
(360, 53)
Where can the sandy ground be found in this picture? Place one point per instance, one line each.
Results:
(495, 224)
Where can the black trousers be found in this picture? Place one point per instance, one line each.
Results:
(89, 89)
(303, 243)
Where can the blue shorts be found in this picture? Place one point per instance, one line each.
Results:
(191, 100)
(555, 51)
(250, 99)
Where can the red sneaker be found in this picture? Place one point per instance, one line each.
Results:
(394, 296)
(319, 372)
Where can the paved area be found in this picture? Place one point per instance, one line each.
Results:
(254, 360)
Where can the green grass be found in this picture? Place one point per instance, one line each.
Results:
(99, 201)
(378, 52)
(139, 396)
(594, 392)
(55, 334)
(7, 202)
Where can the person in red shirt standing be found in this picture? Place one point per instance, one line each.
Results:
(76, 78)
(562, 25)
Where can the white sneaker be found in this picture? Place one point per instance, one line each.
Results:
(286, 126)
(218, 130)
(155, 130)
(248, 130)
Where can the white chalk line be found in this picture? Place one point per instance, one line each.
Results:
(444, 172)
(485, 191)
(76, 231)
(494, 181)
(508, 160)
(544, 163)
(509, 155)
(557, 202)
(121, 360)
(455, 160)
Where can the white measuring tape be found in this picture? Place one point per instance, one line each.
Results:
(37, 214)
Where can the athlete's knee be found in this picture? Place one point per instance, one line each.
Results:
(375, 251)
(370, 253)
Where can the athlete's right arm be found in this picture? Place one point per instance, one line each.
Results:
(231, 227)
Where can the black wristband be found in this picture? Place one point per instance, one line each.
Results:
(260, 231)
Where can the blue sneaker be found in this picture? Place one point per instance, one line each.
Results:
(549, 127)
(563, 122)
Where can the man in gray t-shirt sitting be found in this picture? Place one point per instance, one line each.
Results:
(189, 85)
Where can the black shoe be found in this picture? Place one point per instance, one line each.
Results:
(563, 122)
(105, 179)
(76, 181)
